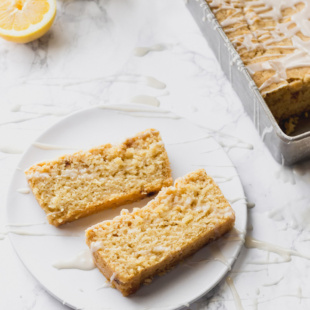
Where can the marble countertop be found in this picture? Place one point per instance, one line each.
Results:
(91, 56)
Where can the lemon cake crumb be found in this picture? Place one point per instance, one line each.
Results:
(133, 247)
(76, 185)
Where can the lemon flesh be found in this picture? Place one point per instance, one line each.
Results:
(23, 21)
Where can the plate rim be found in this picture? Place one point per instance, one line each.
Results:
(225, 271)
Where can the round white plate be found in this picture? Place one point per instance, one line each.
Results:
(188, 147)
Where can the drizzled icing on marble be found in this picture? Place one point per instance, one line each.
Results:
(270, 37)
(82, 261)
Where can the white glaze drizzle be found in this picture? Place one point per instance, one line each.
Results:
(218, 256)
(147, 100)
(113, 277)
(20, 120)
(234, 292)
(131, 109)
(266, 131)
(9, 229)
(286, 254)
(249, 271)
(138, 111)
(234, 235)
(126, 78)
(46, 146)
(222, 179)
(164, 93)
(152, 82)
(16, 108)
(10, 150)
(153, 115)
(35, 116)
(250, 205)
(250, 227)
(82, 261)
(37, 234)
(95, 246)
(232, 201)
(105, 285)
(143, 50)
(23, 190)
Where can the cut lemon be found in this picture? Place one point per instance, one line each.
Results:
(23, 21)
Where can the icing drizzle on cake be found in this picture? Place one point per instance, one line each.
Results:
(284, 40)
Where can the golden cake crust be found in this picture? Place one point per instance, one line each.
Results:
(83, 183)
(134, 247)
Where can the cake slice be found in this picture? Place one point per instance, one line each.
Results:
(74, 186)
(134, 247)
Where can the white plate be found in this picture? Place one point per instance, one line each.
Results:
(187, 150)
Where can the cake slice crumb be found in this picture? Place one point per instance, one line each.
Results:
(86, 182)
(150, 241)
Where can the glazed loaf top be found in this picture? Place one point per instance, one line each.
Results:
(272, 38)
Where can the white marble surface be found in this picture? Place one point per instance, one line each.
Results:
(88, 59)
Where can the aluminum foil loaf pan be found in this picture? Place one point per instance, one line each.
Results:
(286, 149)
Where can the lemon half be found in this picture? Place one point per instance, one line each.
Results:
(23, 21)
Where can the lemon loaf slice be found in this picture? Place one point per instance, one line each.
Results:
(74, 186)
(133, 247)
